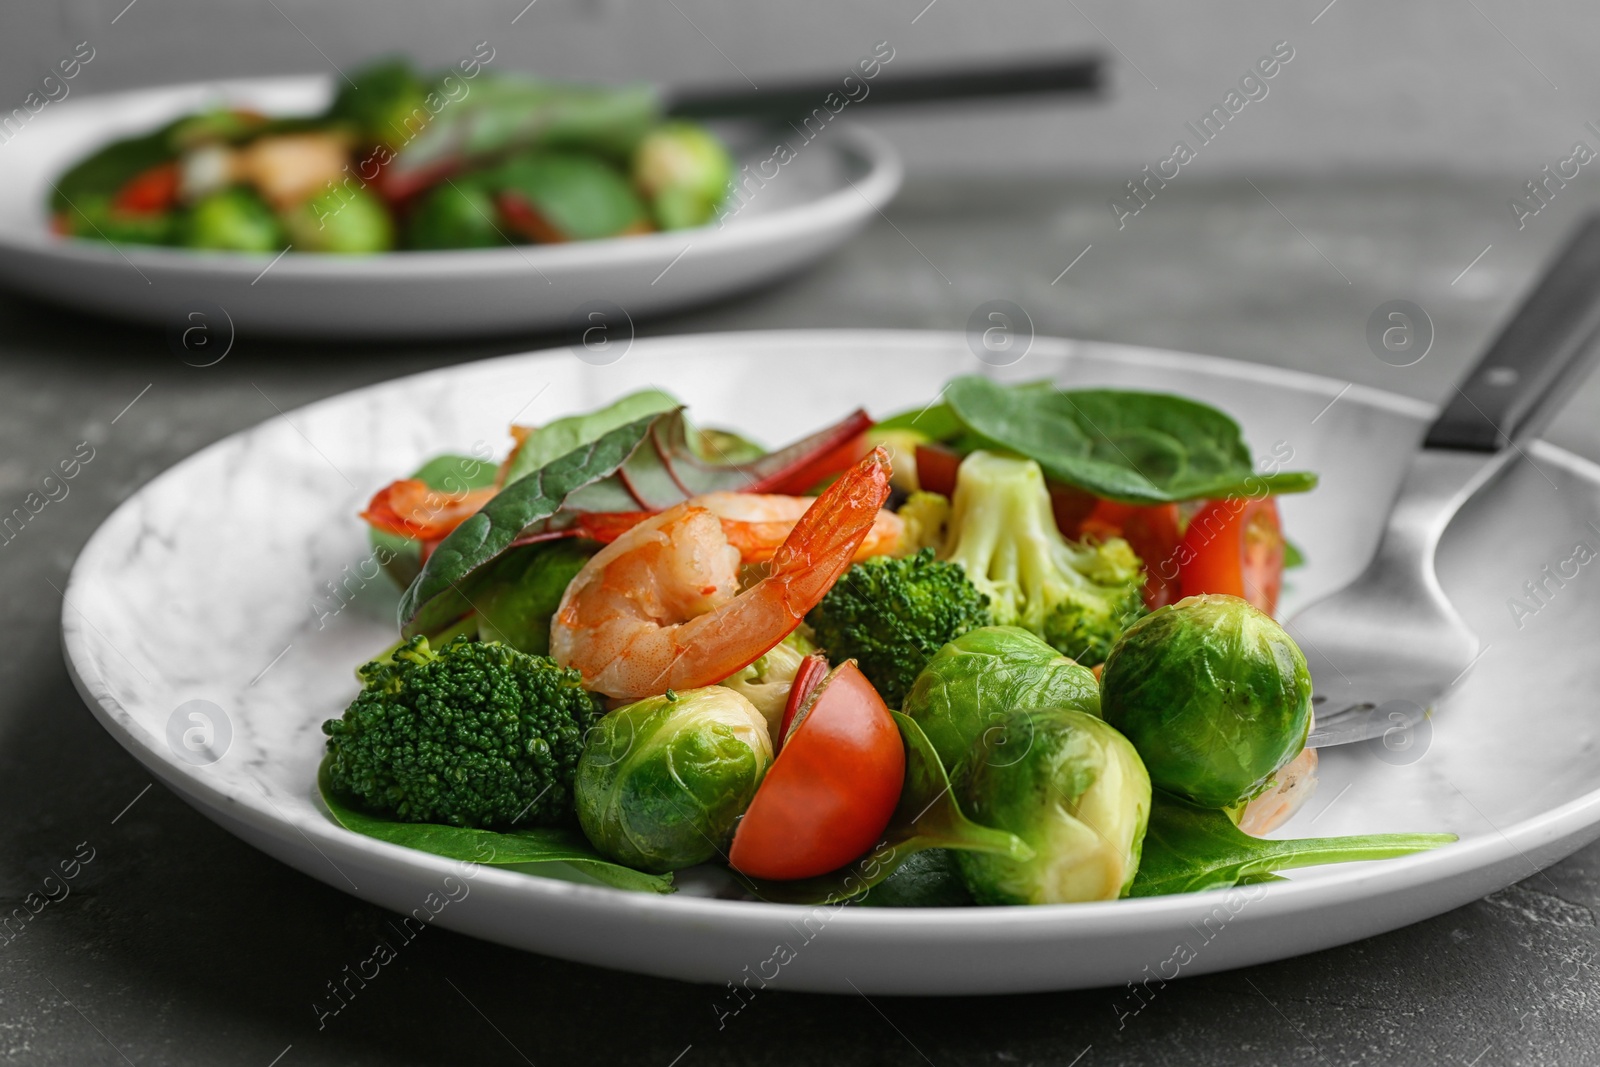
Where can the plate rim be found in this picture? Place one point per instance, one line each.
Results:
(1482, 851)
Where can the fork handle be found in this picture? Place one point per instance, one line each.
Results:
(1541, 355)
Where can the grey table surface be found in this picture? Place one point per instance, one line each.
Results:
(179, 944)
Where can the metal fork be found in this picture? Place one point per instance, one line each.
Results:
(1384, 649)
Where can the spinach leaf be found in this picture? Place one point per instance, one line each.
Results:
(927, 817)
(1137, 448)
(1187, 849)
(555, 439)
(444, 474)
(517, 848)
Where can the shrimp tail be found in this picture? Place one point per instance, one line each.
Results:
(823, 543)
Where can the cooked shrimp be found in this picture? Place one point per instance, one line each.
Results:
(291, 167)
(1294, 785)
(757, 523)
(659, 607)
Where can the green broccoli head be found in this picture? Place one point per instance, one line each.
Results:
(1077, 596)
(473, 734)
(892, 615)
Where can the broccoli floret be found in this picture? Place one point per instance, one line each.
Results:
(1077, 596)
(892, 615)
(473, 734)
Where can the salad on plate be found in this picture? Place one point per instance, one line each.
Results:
(402, 160)
(1013, 647)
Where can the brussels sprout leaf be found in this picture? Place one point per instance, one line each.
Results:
(517, 848)
(927, 817)
(1187, 849)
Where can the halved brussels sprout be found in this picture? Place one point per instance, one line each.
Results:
(662, 782)
(522, 591)
(685, 173)
(1074, 790)
(973, 682)
(765, 683)
(352, 221)
(1213, 694)
(234, 220)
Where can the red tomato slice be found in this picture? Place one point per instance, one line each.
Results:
(832, 788)
(812, 670)
(936, 469)
(149, 191)
(1153, 532)
(1234, 546)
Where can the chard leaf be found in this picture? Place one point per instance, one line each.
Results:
(555, 439)
(926, 817)
(1188, 849)
(517, 848)
(1138, 448)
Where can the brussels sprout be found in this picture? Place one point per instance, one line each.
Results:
(684, 171)
(454, 215)
(555, 196)
(523, 590)
(352, 221)
(234, 220)
(662, 782)
(1213, 694)
(975, 680)
(1074, 790)
(765, 683)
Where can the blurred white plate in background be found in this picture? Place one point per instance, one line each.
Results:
(829, 191)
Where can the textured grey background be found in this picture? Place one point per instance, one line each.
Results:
(1478, 85)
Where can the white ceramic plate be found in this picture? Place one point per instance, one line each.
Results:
(822, 197)
(212, 583)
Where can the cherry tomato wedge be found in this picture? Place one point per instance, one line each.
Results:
(812, 670)
(1234, 546)
(832, 788)
(149, 191)
(936, 469)
(1153, 532)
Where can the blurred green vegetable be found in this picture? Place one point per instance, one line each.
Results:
(107, 170)
(385, 101)
(558, 196)
(928, 879)
(975, 681)
(233, 220)
(455, 214)
(351, 221)
(1213, 694)
(684, 171)
(521, 592)
(1074, 790)
(662, 782)
(94, 217)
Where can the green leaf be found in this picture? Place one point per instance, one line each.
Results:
(555, 439)
(926, 817)
(1292, 556)
(535, 845)
(1138, 448)
(444, 474)
(1188, 849)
